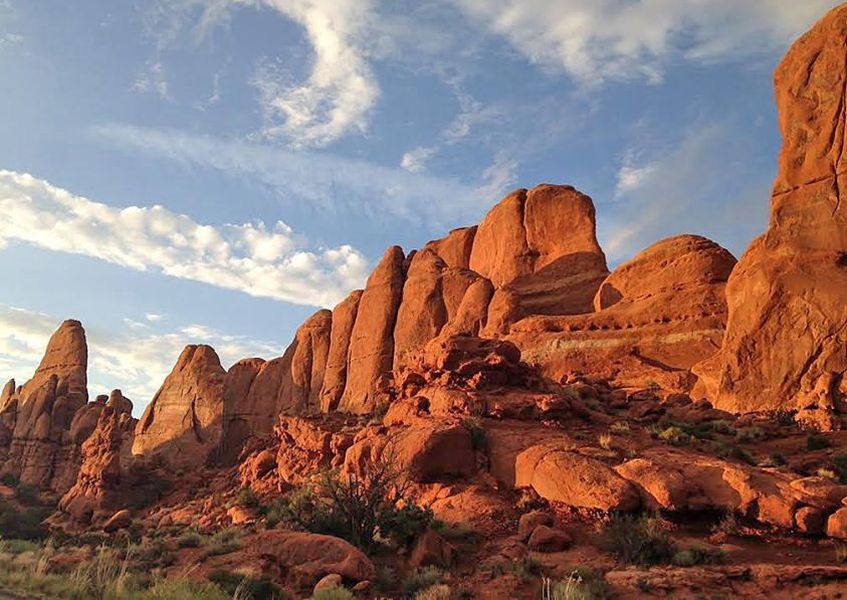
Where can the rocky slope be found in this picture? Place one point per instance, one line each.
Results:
(521, 391)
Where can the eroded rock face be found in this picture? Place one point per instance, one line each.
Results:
(41, 413)
(542, 245)
(238, 423)
(787, 329)
(99, 488)
(371, 351)
(182, 425)
(657, 315)
(335, 377)
(455, 249)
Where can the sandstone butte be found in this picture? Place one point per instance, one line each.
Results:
(521, 388)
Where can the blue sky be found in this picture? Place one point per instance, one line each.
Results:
(212, 171)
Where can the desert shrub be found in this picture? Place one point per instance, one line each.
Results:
(247, 498)
(25, 524)
(827, 473)
(723, 427)
(28, 495)
(620, 428)
(178, 589)
(222, 542)
(457, 532)
(189, 539)
(697, 555)
(815, 441)
(355, 508)
(477, 431)
(639, 540)
(782, 417)
(439, 591)
(728, 525)
(18, 546)
(723, 450)
(246, 588)
(605, 441)
(774, 460)
(841, 553)
(750, 434)
(337, 592)
(675, 436)
(524, 568)
(581, 584)
(839, 462)
(421, 579)
(9, 480)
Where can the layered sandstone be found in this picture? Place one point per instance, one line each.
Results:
(787, 328)
(657, 315)
(182, 425)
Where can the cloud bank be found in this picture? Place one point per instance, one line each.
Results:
(254, 258)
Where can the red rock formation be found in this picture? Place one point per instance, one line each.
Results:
(658, 315)
(455, 249)
(237, 420)
(787, 329)
(335, 377)
(43, 410)
(371, 352)
(542, 244)
(100, 487)
(182, 425)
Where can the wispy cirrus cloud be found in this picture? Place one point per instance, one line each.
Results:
(595, 41)
(136, 359)
(329, 182)
(259, 260)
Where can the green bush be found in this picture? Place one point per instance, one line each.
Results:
(698, 555)
(439, 591)
(9, 480)
(747, 435)
(477, 431)
(839, 461)
(354, 508)
(177, 589)
(189, 539)
(675, 436)
(222, 542)
(333, 593)
(26, 524)
(639, 540)
(774, 460)
(581, 584)
(421, 579)
(247, 498)
(723, 450)
(247, 588)
(816, 442)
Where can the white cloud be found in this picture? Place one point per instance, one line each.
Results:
(328, 182)
(253, 258)
(630, 178)
(341, 89)
(153, 80)
(500, 176)
(601, 40)
(415, 160)
(153, 317)
(135, 361)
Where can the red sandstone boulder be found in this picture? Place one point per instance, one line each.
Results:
(572, 479)
(182, 425)
(308, 557)
(455, 249)
(787, 329)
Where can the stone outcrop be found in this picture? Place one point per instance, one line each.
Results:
(335, 376)
(182, 425)
(238, 423)
(787, 328)
(657, 315)
(101, 487)
(38, 419)
(371, 352)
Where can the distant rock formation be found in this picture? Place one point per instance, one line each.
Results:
(40, 420)
(787, 330)
(183, 424)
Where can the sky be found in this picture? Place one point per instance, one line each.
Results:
(214, 171)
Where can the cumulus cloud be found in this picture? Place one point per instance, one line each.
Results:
(254, 258)
(330, 183)
(600, 40)
(135, 361)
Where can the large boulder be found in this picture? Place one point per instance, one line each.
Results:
(182, 425)
(564, 476)
(787, 328)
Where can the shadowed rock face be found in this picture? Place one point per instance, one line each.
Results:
(787, 330)
(37, 419)
(182, 425)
